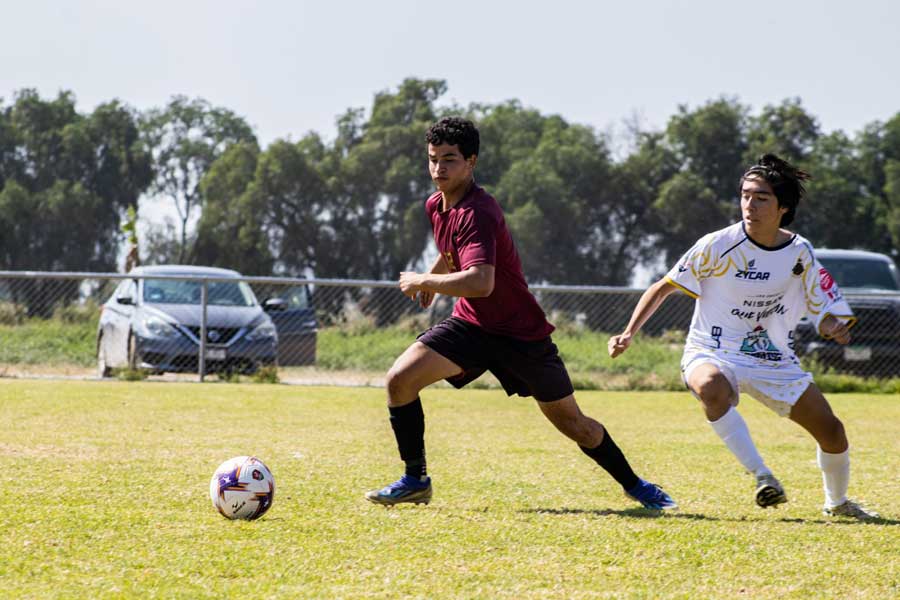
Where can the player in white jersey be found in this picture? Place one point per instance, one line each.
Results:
(753, 281)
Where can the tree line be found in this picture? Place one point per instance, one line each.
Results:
(352, 207)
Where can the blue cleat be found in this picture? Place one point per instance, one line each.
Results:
(651, 496)
(406, 489)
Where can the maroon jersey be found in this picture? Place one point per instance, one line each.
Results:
(474, 232)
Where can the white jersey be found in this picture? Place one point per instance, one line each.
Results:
(751, 297)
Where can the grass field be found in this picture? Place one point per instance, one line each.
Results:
(67, 346)
(105, 495)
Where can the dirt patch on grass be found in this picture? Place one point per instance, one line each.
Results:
(40, 371)
(288, 375)
(353, 378)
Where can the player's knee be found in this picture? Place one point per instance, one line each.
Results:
(398, 384)
(714, 391)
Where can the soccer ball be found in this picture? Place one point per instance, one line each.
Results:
(242, 488)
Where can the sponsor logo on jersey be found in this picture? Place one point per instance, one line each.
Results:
(777, 309)
(829, 287)
(758, 345)
(763, 302)
(751, 273)
(825, 280)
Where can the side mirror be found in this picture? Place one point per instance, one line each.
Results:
(125, 300)
(275, 304)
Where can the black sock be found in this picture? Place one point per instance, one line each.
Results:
(408, 423)
(608, 456)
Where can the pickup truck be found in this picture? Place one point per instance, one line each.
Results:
(871, 285)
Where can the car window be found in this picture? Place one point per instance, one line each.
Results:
(862, 273)
(227, 293)
(296, 297)
(219, 293)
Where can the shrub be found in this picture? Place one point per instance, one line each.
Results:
(88, 312)
(131, 374)
(228, 376)
(354, 321)
(11, 313)
(267, 374)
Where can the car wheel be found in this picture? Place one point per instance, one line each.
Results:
(132, 353)
(103, 369)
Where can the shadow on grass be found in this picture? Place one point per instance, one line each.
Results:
(846, 521)
(645, 513)
(639, 513)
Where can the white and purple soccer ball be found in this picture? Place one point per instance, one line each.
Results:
(242, 488)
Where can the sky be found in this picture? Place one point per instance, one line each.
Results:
(292, 67)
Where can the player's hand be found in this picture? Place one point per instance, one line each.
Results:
(425, 299)
(409, 284)
(835, 329)
(618, 344)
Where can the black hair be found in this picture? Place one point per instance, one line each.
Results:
(455, 131)
(786, 181)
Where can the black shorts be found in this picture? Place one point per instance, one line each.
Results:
(523, 368)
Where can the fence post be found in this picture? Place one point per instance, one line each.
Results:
(201, 360)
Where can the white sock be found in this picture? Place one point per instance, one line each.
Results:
(733, 430)
(835, 475)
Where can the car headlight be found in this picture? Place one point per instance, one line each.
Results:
(263, 331)
(155, 327)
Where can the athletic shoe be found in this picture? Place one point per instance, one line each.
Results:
(769, 491)
(651, 496)
(850, 509)
(405, 489)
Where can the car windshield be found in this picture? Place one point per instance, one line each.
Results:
(220, 293)
(862, 273)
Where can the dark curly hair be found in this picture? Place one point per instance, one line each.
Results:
(786, 181)
(455, 131)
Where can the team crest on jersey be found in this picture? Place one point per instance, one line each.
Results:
(451, 266)
(798, 269)
(751, 273)
(758, 345)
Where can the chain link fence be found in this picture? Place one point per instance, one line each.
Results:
(218, 323)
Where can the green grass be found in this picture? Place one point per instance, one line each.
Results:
(105, 495)
(49, 341)
(650, 364)
(366, 350)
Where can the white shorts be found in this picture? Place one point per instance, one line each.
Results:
(777, 386)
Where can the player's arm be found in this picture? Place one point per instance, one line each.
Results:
(835, 329)
(834, 317)
(475, 282)
(650, 301)
(439, 267)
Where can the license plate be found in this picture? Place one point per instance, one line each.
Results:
(215, 354)
(857, 353)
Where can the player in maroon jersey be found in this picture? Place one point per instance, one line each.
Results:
(497, 326)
